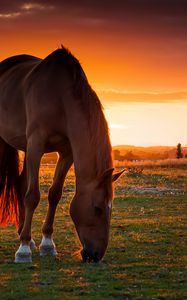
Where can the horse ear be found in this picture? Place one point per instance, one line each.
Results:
(107, 175)
(115, 176)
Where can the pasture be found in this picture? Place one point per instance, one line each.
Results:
(146, 256)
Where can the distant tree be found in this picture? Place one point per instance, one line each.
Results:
(179, 151)
(186, 152)
(116, 154)
(129, 156)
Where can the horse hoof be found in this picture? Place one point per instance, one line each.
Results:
(23, 254)
(48, 251)
(47, 247)
(32, 245)
(23, 259)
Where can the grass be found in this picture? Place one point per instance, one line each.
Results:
(160, 163)
(146, 257)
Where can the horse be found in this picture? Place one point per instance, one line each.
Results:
(47, 105)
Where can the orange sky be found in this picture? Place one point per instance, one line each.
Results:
(132, 52)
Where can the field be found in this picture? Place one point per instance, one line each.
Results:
(146, 256)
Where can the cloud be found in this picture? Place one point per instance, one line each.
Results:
(106, 9)
(166, 18)
(10, 15)
(22, 9)
(35, 6)
(123, 96)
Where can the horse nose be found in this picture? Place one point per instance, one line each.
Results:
(89, 255)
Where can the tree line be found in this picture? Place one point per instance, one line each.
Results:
(136, 154)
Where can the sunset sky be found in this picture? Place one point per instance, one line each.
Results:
(134, 53)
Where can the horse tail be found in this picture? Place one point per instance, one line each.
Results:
(9, 186)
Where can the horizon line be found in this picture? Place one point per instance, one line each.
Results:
(149, 146)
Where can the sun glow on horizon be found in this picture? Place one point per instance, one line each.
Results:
(117, 126)
(147, 124)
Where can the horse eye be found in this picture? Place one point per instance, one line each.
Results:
(98, 211)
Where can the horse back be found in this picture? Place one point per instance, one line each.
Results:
(13, 61)
(13, 73)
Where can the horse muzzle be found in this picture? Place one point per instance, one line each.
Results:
(89, 254)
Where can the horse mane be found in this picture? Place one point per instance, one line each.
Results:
(93, 110)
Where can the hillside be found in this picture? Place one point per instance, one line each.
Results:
(143, 153)
(123, 152)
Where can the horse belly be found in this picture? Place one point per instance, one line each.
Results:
(12, 112)
(12, 126)
(13, 138)
(18, 142)
(13, 134)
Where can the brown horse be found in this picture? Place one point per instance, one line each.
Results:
(48, 105)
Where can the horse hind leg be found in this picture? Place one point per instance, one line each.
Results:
(47, 246)
(21, 206)
(32, 197)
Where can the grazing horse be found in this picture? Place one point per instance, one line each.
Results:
(48, 105)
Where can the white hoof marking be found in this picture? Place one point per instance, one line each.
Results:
(47, 247)
(23, 254)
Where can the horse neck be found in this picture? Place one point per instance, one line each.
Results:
(90, 161)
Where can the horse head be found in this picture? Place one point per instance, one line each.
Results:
(90, 211)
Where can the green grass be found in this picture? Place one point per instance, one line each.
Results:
(146, 256)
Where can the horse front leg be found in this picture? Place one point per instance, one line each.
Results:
(32, 197)
(47, 245)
